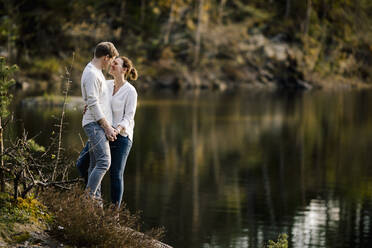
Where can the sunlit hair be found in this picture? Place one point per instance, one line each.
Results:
(105, 48)
(131, 73)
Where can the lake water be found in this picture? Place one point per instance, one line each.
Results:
(237, 169)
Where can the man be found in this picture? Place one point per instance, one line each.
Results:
(97, 120)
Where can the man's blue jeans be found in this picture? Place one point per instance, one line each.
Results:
(82, 163)
(120, 149)
(100, 157)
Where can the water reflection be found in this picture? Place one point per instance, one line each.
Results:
(235, 170)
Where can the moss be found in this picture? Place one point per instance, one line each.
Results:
(28, 210)
(21, 237)
(32, 208)
(18, 218)
(35, 146)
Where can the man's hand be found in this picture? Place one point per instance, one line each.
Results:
(109, 130)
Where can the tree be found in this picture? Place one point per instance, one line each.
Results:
(287, 8)
(308, 15)
(198, 32)
(5, 97)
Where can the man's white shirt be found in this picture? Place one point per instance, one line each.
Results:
(96, 94)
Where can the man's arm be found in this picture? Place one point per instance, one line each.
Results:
(92, 88)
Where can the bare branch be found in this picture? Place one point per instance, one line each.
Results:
(62, 119)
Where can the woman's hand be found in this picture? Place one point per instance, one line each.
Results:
(119, 129)
(85, 109)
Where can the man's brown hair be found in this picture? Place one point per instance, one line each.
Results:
(105, 48)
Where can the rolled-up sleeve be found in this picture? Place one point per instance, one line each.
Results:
(92, 88)
(129, 110)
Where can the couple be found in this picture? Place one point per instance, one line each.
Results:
(108, 120)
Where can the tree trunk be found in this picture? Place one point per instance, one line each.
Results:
(170, 23)
(324, 9)
(220, 10)
(143, 11)
(308, 14)
(122, 18)
(198, 32)
(9, 9)
(287, 8)
(15, 185)
(2, 174)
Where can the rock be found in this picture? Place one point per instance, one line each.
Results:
(279, 38)
(73, 102)
(219, 85)
(304, 84)
(168, 81)
(280, 52)
(21, 85)
(276, 51)
(246, 47)
(267, 74)
(258, 40)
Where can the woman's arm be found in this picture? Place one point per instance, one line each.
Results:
(129, 111)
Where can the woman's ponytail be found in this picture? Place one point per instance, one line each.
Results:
(133, 75)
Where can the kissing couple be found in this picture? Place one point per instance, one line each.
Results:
(108, 120)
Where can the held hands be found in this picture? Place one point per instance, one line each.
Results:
(111, 133)
(117, 131)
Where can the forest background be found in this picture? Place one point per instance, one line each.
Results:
(213, 44)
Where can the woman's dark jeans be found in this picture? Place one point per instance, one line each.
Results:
(120, 149)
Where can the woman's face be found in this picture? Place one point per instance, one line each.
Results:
(116, 68)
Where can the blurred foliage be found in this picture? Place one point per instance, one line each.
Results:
(6, 72)
(44, 67)
(334, 34)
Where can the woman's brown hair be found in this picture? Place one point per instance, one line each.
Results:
(131, 73)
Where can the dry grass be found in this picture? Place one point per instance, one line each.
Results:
(79, 221)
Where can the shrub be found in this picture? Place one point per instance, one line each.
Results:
(78, 220)
(45, 67)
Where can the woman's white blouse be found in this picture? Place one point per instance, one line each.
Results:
(123, 105)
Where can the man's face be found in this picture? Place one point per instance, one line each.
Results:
(107, 61)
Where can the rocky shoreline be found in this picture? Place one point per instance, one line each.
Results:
(251, 62)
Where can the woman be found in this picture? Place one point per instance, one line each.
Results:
(123, 105)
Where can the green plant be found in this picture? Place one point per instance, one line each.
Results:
(23, 210)
(6, 81)
(282, 242)
(45, 67)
